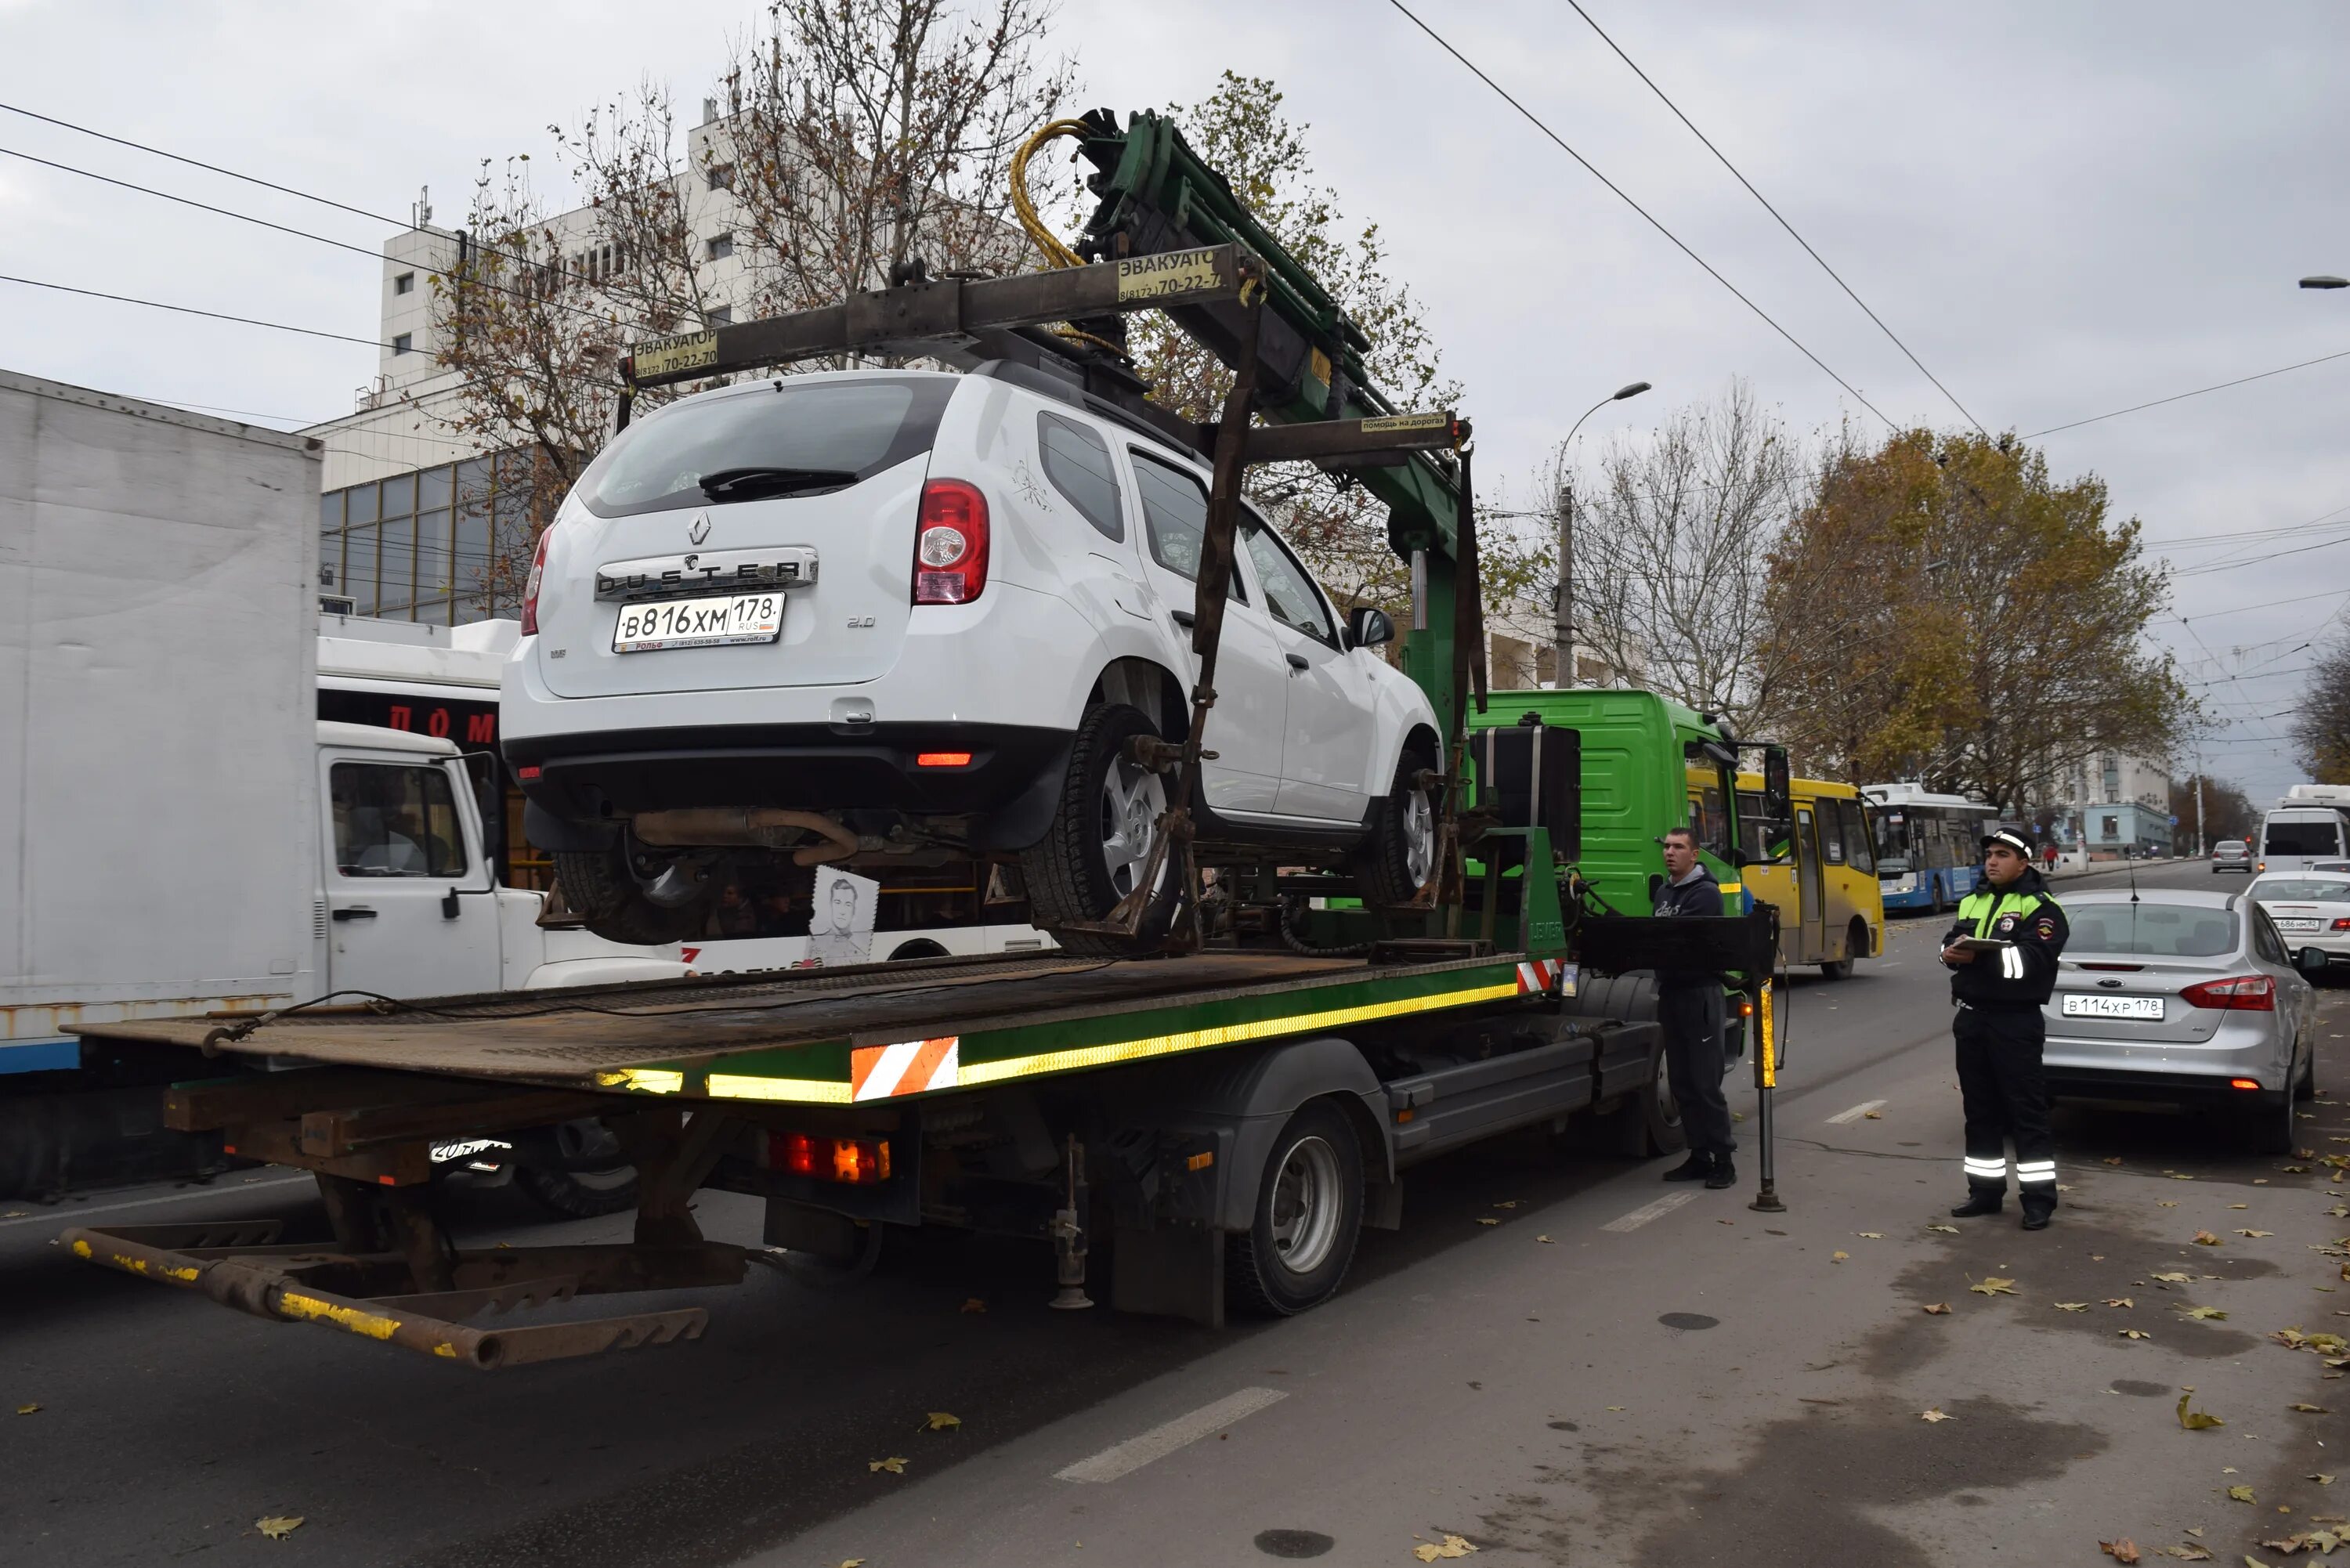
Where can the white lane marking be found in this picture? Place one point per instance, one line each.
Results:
(62, 1215)
(1648, 1211)
(1854, 1115)
(1126, 1458)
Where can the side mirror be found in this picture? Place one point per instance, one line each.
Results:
(2310, 961)
(1368, 627)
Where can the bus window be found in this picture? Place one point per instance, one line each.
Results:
(1831, 829)
(1853, 822)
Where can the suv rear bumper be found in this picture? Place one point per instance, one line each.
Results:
(597, 778)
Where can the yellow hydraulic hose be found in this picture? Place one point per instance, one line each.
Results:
(1048, 242)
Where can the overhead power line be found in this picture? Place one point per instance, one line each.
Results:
(1618, 190)
(2179, 397)
(191, 310)
(2247, 609)
(1775, 213)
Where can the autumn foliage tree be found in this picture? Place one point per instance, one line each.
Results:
(2321, 724)
(1943, 607)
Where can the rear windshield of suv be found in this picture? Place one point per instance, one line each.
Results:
(855, 428)
(2161, 931)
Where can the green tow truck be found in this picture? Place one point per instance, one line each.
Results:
(1222, 1119)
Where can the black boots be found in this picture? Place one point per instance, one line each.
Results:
(1723, 1173)
(1695, 1168)
(2036, 1211)
(1980, 1200)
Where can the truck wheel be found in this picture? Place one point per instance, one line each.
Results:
(1400, 856)
(1099, 843)
(1649, 1124)
(1309, 1214)
(643, 906)
(575, 1194)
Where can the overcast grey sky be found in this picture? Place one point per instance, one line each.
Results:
(2064, 210)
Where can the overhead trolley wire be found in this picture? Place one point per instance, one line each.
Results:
(1618, 190)
(1781, 218)
(191, 310)
(2178, 397)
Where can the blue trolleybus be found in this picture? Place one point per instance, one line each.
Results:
(1929, 847)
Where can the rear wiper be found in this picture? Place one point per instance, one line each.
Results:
(745, 483)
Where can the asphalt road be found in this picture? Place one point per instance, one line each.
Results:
(1592, 1379)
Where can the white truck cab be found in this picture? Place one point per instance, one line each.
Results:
(409, 902)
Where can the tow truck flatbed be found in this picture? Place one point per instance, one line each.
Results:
(870, 1032)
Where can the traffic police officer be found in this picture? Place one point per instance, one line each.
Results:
(1998, 991)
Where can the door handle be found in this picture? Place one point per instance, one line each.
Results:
(1297, 661)
(1185, 619)
(356, 912)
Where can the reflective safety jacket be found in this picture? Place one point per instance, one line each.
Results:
(2023, 915)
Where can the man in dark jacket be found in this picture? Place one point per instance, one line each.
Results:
(1690, 1010)
(1998, 985)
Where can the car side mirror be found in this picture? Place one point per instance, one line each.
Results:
(2310, 961)
(1368, 627)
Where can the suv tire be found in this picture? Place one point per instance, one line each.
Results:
(601, 889)
(1400, 855)
(1100, 837)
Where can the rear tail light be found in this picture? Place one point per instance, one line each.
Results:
(962, 760)
(530, 587)
(2249, 994)
(2243, 1083)
(2343, 924)
(950, 543)
(855, 1161)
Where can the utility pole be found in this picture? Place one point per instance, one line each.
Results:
(1563, 605)
(2202, 844)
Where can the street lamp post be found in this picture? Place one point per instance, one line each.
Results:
(2321, 280)
(1562, 601)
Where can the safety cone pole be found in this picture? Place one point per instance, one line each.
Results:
(1766, 1078)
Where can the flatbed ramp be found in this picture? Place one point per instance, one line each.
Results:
(875, 1032)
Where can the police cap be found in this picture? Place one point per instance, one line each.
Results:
(2011, 839)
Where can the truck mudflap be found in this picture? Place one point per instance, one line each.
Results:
(376, 1295)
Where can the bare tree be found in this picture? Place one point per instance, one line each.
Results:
(864, 133)
(1671, 549)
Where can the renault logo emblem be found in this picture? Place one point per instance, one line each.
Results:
(699, 530)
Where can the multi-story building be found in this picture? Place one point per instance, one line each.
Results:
(2115, 802)
(413, 514)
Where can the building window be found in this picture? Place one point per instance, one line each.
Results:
(718, 316)
(403, 343)
(404, 283)
(721, 246)
(721, 176)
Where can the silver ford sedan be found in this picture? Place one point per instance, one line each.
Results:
(2186, 997)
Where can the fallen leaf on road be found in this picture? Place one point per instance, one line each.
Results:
(27, 1409)
(1949, 1230)
(2205, 1239)
(1454, 1546)
(2239, 1206)
(2242, 1494)
(974, 1304)
(2176, 1177)
(1873, 1116)
(2174, 1278)
(2113, 1160)
(2308, 1409)
(1938, 1309)
(895, 1464)
(940, 1421)
(2319, 1480)
(2135, 1334)
(1936, 1415)
(2338, 1213)
(1614, 1406)
(2256, 1235)
(2122, 1550)
(852, 1562)
(1870, 1235)
(1512, 1203)
(2119, 1302)
(278, 1527)
(2295, 1169)
(2166, 1203)
(1838, 1257)
(1993, 1287)
(2213, 1315)
(2189, 1552)
(2196, 1420)
(2072, 1306)
(1542, 1237)
(1488, 1222)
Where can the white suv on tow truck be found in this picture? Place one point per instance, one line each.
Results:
(890, 618)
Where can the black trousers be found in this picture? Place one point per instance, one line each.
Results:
(2006, 1096)
(1692, 1017)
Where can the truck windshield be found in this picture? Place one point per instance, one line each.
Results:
(834, 432)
